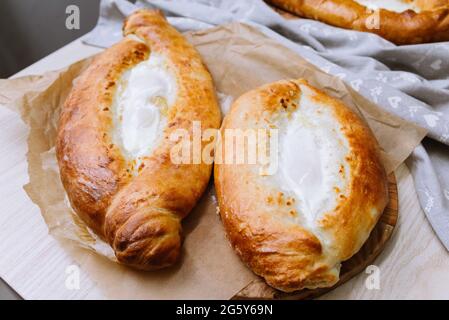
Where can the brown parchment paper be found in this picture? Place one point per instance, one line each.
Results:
(240, 58)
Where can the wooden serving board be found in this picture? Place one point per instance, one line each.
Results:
(258, 289)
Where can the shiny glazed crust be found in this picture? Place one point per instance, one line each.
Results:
(258, 217)
(139, 215)
(408, 27)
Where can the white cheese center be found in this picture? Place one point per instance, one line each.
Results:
(143, 95)
(312, 164)
(391, 5)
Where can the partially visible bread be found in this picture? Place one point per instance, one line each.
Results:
(430, 24)
(295, 225)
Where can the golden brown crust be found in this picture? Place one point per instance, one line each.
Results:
(431, 24)
(92, 169)
(140, 216)
(259, 218)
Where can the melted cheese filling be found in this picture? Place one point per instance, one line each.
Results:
(312, 164)
(391, 5)
(144, 94)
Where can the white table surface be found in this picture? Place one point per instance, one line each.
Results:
(414, 265)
